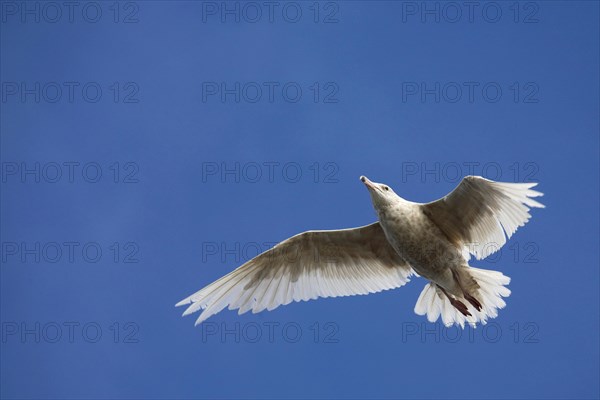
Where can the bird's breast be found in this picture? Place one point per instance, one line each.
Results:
(418, 240)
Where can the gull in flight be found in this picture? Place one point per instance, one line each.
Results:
(433, 240)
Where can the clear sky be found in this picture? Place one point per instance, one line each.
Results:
(149, 148)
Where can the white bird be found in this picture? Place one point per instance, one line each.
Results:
(433, 240)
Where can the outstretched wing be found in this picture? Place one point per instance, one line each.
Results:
(480, 214)
(306, 266)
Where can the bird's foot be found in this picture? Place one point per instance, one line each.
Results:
(460, 306)
(474, 302)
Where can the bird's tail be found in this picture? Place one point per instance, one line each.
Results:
(490, 289)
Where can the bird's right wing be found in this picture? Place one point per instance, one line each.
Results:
(306, 266)
(480, 214)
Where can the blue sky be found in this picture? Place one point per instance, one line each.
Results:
(149, 148)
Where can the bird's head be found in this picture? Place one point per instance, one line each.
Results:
(382, 196)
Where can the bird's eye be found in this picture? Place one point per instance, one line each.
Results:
(386, 188)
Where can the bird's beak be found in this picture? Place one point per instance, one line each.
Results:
(368, 183)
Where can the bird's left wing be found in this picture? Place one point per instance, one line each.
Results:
(306, 266)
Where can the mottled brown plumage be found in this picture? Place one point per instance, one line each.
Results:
(432, 239)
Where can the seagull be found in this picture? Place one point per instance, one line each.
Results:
(432, 240)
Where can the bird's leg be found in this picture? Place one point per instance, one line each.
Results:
(459, 305)
(474, 302)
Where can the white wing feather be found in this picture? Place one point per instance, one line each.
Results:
(306, 266)
(481, 214)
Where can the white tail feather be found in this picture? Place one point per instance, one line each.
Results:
(434, 303)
